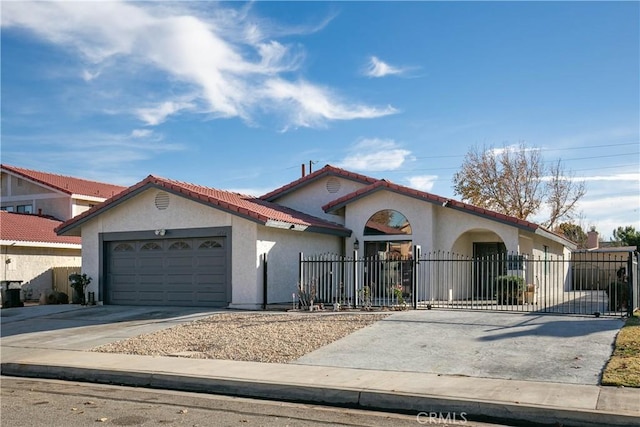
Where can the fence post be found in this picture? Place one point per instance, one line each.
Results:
(414, 274)
(264, 281)
(300, 274)
(632, 284)
(355, 278)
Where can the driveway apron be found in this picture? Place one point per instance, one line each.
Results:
(520, 346)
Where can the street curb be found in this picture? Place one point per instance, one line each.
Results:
(430, 408)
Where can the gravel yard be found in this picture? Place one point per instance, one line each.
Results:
(254, 337)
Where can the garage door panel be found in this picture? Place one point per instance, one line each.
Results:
(150, 263)
(180, 296)
(180, 260)
(184, 272)
(151, 298)
(124, 263)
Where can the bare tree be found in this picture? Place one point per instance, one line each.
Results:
(563, 194)
(513, 181)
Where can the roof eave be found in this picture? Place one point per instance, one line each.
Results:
(35, 244)
(554, 237)
(284, 225)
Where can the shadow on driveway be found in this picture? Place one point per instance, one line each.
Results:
(42, 318)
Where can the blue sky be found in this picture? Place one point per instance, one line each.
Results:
(238, 95)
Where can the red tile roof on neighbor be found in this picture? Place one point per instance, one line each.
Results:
(21, 227)
(250, 207)
(327, 170)
(67, 184)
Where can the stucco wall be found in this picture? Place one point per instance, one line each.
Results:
(434, 228)
(419, 215)
(314, 195)
(141, 214)
(33, 266)
(17, 191)
(283, 248)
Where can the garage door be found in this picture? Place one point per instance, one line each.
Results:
(182, 272)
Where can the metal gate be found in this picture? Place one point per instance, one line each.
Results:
(584, 283)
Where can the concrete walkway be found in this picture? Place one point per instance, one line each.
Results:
(57, 344)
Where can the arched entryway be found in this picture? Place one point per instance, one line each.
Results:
(388, 251)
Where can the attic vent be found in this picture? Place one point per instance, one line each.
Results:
(333, 185)
(162, 200)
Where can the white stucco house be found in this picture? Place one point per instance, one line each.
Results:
(32, 204)
(165, 242)
(43, 193)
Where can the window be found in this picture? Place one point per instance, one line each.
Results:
(25, 209)
(387, 222)
(123, 247)
(151, 246)
(7, 208)
(546, 259)
(210, 244)
(515, 262)
(179, 246)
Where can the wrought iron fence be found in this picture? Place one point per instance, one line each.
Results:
(584, 283)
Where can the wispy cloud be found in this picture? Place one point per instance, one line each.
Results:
(224, 61)
(422, 182)
(378, 68)
(375, 155)
(159, 113)
(108, 157)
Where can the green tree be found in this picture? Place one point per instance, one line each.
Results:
(573, 232)
(627, 236)
(515, 182)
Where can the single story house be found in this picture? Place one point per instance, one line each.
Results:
(30, 250)
(165, 242)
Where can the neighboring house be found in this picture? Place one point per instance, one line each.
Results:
(42, 193)
(30, 249)
(166, 242)
(33, 203)
(601, 264)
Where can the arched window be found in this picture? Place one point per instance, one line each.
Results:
(387, 222)
(210, 244)
(151, 246)
(179, 246)
(123, 247)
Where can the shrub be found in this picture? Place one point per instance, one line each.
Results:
(509, 289)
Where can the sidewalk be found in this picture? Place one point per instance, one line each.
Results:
(408, 392)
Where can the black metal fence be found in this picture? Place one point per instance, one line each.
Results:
(584, 283)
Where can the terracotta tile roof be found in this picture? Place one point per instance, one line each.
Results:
(67, 184)
(249, 207)
(432, 198)
(31, 228)
(327, 170)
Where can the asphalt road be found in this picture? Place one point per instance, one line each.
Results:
(34, 402)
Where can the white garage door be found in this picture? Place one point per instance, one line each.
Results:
(179, 272)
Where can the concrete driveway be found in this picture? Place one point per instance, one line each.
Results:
(73, 327)
(521, 346)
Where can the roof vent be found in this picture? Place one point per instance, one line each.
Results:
(162, 200)
(333, 185)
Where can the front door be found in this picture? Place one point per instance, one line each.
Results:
(489, 263)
